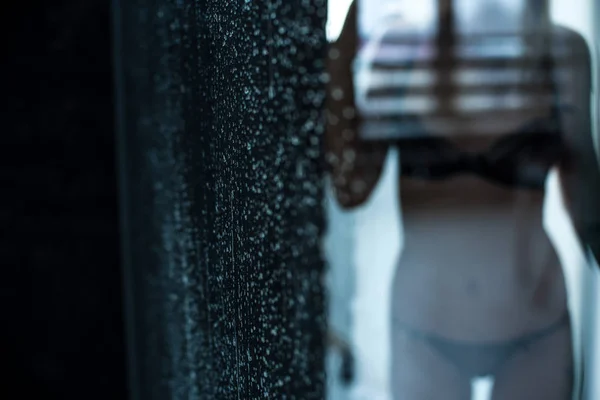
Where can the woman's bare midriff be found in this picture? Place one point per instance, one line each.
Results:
(476, 263)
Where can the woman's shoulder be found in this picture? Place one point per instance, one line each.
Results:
(572, 40)
(572, 47)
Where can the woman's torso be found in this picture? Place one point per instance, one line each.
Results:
(476, 262)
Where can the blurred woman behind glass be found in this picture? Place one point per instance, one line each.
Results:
(479, 289)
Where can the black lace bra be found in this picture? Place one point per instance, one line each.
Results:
(522, 159)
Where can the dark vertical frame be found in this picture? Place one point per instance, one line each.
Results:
(219, 127)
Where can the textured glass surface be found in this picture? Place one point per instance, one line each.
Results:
(220, 125)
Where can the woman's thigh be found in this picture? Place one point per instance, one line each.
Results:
(542, 371)
(419, 372)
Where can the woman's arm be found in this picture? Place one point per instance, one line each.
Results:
(355, 165)
(580, 174)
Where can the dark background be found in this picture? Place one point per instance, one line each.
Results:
(62, 324)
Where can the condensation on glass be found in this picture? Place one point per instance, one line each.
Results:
(463, 199)
(219, 125)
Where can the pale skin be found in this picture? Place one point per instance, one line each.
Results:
(477, 264)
